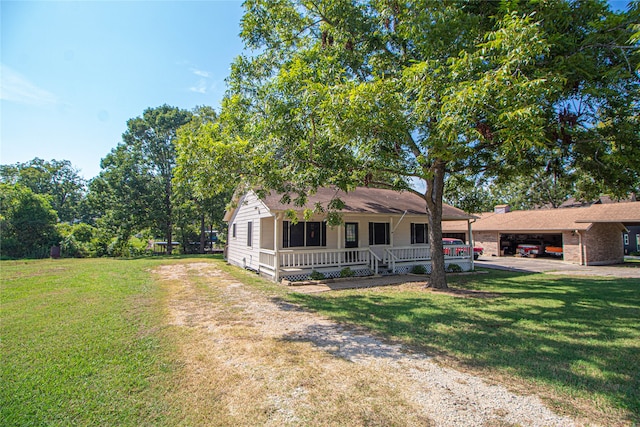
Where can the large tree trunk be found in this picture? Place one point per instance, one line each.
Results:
(433, 197)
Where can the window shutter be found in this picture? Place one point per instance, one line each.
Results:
(387, 234)
(285, 234)
(370, 234)
(324, 233)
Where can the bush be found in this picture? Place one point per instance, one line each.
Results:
(454, 268)
(347, 272)
(27, 223)
(418, 269)
(316, 275)
(77, 240)
(130, 247)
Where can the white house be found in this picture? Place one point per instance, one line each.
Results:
(384, 232)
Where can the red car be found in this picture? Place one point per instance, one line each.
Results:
(531, 249)
(456, 247)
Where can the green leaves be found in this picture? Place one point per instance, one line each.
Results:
(350, 93)
(27, 223)
(56, 179)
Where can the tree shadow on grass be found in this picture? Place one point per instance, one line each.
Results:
(579, 334)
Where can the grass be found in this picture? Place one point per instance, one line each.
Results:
(88, 342)
(162, 342)
(241, 369)
(579, 337)
(78, 344)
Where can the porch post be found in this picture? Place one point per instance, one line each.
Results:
(339, 244)
(275, 249)
(471, 244)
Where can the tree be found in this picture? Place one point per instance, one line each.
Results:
(136, 181)
(592, 115)
(534, 189)
(126, 196)
(57, 179)
(27, 223)
(382, 92)
(208, 169)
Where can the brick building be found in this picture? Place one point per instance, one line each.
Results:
(587, 235)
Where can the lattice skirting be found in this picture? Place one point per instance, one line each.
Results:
(465, 265)
(327, 275)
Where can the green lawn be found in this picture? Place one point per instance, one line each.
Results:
(580, 336)
(83, 341)
(79, 345)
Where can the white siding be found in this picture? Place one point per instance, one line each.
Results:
(402, 235)
(250, 209)
(266, 233)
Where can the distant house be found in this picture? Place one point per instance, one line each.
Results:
(384, 231)
(591, 235)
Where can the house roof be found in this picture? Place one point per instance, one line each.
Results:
(611, 212)
(366, 200)
(605, 199)
(550, 220)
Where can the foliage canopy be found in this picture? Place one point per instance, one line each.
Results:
(385, 93)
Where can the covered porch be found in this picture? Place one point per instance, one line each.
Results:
(298, 264)
(348, 250)
(382, 232)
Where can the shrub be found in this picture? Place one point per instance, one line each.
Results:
(77, 240)
(347, 272)
(316, 275)
(27, 223)
(418, 269)
(454, 268)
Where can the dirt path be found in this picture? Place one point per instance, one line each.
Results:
(250, 360)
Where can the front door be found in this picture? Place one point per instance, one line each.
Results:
(351, 235)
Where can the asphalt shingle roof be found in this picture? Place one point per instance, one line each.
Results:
(367, 200)
(552, 219)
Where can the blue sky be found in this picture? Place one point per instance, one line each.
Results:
(73, 73)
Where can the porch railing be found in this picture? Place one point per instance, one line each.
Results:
(392, 256)
(339, 258)
(318, 258)
(267, 260)
(405, 254)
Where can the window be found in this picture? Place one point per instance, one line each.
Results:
(419, 233)
(250, 233)
(351, 235)
(304, 234)
(626, 239)
(379, 233)
(233, 231)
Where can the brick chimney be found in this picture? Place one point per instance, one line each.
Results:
(501, 209)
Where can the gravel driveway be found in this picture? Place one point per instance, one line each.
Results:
(442, 395)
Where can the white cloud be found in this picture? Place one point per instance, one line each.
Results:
(17, 88)
(201, 73)
(200, 87)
